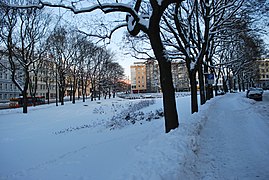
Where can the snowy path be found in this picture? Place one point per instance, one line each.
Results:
(234, 143)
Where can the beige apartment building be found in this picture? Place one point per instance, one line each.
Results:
(138, 77)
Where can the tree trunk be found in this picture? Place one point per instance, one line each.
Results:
(201, 84)
(234, 84)
(74, 94)
(25, 102)
(225, 88)
(99, 92)
(169, 102)
(82, 89)
(74, 90)
(239, 83)
(62, 90)
(243, 85)
(170, 111)
(56, 95)
(24, 92)
(48, 96)
(71, 92)
(194, 101)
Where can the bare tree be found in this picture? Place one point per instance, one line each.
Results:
(22, 29)
(194, 25)
(62, 50)
(149, 23)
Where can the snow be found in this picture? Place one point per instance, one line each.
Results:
(131, 23)
(144, 22)
(233, 144)
(124, 139)
(160, 2)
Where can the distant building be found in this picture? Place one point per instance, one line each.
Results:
(7, 88)
(152, 76)
(263, 65)
(138, 77)
(180, 76)
(145, 76)
(45, 80)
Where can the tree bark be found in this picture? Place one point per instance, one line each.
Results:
(201, 84)
(169, 102)
(170, 111)
(24, 92)
(74, 89)
(239, 83)
(194, 101)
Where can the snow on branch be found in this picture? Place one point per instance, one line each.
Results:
(135, 21)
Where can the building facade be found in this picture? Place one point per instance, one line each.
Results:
(152, 76)
(138, 77)
(7, 88)
(263, 65)
(145, 76)
(180, 76)
(46, 84)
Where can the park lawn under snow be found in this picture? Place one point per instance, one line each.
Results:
(109, 139)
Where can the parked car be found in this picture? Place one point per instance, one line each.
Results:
(255, 93)
(260, 89)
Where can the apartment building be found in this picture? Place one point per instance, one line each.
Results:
(151, 76)
(180, 76)
(45, 80)
(263, 65)
(138, 77)
(7, 88)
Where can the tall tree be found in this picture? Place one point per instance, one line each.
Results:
(21, 31)
(61, 48)
(137, 21)
(194, 25)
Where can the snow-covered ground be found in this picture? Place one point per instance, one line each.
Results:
(234, 142)
(124, 139)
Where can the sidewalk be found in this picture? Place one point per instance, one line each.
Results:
(234, 143)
